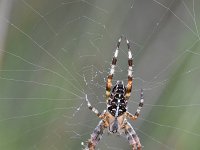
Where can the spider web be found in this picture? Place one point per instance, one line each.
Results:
(52, 53)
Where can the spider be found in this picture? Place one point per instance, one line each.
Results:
(114, 118)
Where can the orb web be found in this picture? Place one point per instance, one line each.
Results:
(54, 52)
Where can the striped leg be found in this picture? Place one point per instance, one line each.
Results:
(95, 136)
(132, 137)
(93, 109)
(134, 117)
(140, 104)
(130, 72)
(112, 70)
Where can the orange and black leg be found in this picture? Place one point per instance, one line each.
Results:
(112, 70)
(130, 72)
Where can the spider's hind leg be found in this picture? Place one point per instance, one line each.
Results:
(95, 136)
(132, 137)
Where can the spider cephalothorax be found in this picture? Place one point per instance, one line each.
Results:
(114, 117)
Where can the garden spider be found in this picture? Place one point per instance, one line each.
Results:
(114, 118)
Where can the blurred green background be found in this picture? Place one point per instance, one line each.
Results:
(53, 52)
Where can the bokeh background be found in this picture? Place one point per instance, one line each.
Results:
(53, 52)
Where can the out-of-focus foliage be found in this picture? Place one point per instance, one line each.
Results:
(53, 52)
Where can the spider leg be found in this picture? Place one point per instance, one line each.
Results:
(93, 109)
(130, 72)
(137, 113)
(96, 136)
(140, 104)
(112, 70)
(132, 137)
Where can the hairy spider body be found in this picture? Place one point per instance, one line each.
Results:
(114, 118)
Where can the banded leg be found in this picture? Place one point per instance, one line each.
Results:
(132, 137)
(130, 72)
(95, 136)
(137, 113)
(93, 109)
(140, 104)
(112, 70)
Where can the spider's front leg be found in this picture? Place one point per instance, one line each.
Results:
(112, 70)
(130, 72)
(95, 136)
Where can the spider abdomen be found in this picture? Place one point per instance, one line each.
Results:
(117, 105)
